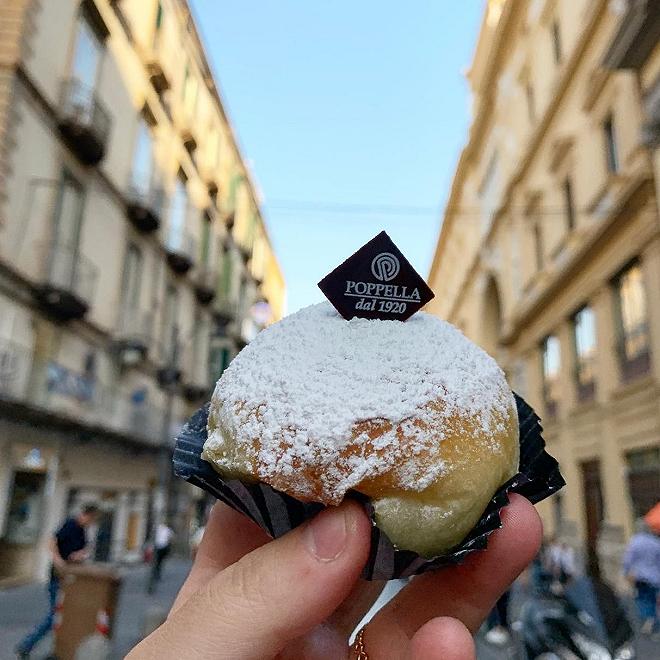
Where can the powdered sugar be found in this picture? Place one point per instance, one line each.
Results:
(292, 398)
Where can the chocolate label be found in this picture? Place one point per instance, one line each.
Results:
(377, 282)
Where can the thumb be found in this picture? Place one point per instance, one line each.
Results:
(271, 596)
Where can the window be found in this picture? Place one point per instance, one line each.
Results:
(558, 511)
(196, 344)
(531, 101)
(556, 41)
(537, 233)
(87, 55)
(227, 272)
(550, 364)
(190, 90)
(488, 192)
(170, 328)
(218, 149)
(142, 159)
(67, 219)
(178, 212)
(633, 322)
(611, 152)
(159, 16)
(205, 245)
(219, 360)
(131, 283)
(584, 335)
(643, 471)
(569, 205)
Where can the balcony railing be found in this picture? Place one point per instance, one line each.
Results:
(224, 312)
(15, 365)
(206, 282)
(145, 204)
(138, 419)
(46, 386)
(181, 249)
(135, 331)
(585, 381)
(66, 283)
(634, 352)
(196, 383)
(83, 121)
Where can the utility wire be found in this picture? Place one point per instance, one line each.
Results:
(299, 206)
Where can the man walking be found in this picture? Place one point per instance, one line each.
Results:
(67, 546)
(641, 565)
(162, 544)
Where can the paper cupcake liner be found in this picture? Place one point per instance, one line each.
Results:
(277, 513)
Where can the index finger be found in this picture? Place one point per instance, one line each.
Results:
(228, 536)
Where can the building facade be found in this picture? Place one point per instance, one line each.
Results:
(134, 264)
(549, 249)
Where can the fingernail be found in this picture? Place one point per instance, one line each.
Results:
(327, 534)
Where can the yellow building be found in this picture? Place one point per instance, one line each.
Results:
(549, 250)
(134, 263)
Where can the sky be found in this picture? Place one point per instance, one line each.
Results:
(351, 116)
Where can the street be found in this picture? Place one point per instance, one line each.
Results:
(20, 608)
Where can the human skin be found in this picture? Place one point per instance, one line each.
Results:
(248, 597)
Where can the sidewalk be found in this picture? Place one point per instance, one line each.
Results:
(20, 607)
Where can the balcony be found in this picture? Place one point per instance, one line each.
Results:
(136, 418)
(206, 282)
(224, 312)
(83, 122)
(246, 253)
(189, 141)
(66, 285)
(40, 389)
(637, 36)
(134, 336)
(180, 250)
(196, 384)
(144, 206)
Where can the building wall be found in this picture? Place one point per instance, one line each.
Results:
(85, 399)
(513, 263)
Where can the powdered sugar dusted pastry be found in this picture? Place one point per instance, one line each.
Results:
(413, 415)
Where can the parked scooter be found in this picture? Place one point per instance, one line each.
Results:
(581, 620)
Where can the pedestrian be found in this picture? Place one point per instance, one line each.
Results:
(301, 596)
(641, 565)
(162, 545)
(560, 561)
(196, 541)
(498, 621)
(67, 546)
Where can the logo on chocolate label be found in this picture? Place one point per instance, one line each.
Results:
(377, 282)
(385, 267)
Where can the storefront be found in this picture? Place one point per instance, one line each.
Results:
(49, 474)
(27, 481)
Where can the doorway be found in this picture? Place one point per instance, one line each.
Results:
(593, 511)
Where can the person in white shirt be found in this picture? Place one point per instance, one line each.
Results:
(162, 545)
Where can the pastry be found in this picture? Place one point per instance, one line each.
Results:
(412, 414)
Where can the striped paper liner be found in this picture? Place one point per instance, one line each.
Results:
(277, 513)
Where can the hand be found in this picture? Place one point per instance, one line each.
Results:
(78, 556)
(301, 596)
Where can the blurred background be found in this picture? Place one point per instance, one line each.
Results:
(509, 147)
